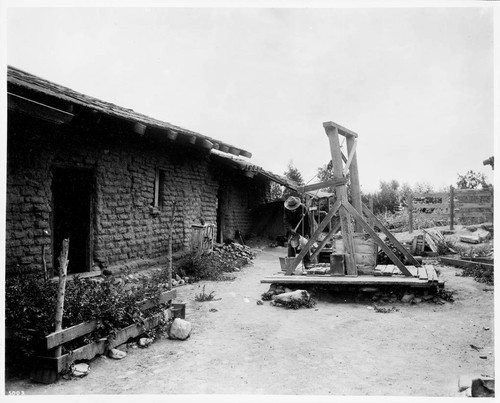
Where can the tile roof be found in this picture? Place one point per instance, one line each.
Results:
(31, 82)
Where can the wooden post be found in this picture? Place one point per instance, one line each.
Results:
(63, 269)
(341, 192)
(410, 211)
(452, 208)
(354, 175)
(170, 232)
(370, 204)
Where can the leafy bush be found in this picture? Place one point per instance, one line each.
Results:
(480, 274)
(114, 301)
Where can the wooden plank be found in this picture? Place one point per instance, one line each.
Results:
(63, 336)
(390, 254)
(294, 263)
(388, 270)
(163, 299)
(322, 185)
(436, 195)
(431, 273)
(341, 130)
(346, 280)
(464, 263)
(413, 270)
(391, 237)
(37, 110)
(422, 273)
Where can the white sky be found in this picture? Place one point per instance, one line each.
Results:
(416, 84)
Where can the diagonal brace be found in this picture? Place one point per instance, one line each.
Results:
(359, 218)
(395, 242)
(325, 241)
(293, 265)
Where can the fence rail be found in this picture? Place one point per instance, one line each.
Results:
(463, 206)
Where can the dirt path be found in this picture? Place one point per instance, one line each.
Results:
(338, 348)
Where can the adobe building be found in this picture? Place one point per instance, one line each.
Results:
(106, 178)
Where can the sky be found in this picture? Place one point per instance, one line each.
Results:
(416, 84)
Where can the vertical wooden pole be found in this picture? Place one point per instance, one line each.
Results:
(170, 234)
(63, 269)
(370, 204)
(341, 193)
(410, 211)
(354, 176)
(452, 208)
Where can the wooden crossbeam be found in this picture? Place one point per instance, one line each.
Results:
(322, 244)
(293, 264)
(359, 218)
(322, 185)
(352, 152)
(341, 130)
(391, 237)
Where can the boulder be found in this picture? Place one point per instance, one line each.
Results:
(180, 329)
(407, 298)
(297, 295)
(80, 370)
(116, 354)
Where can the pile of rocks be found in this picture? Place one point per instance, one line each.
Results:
(233, 254)
(283, 296)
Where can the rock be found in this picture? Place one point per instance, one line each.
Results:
(178, 278)
(427, 297)
(186, 279)
(80, 370)
(416, 300)
(116, 354)
(286, 289)
(180, 329)
(259, 302)
(465, 381)
(297, 295)
(145, 342)
(407, 298)
(483, 387)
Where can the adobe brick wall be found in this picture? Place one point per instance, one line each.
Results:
(125, 228)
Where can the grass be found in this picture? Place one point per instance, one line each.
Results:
(202, 297)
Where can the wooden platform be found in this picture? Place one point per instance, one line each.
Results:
(424, 276)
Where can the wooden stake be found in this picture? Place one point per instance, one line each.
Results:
(63, 269)
(410, 212)
(452, 208)
(170, 232)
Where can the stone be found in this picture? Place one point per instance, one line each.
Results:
(80, 370)
(483, 387)
(145, 342)
(465, 381)
(116, 354)
(407, 298)
(180, 329)
(297, 295)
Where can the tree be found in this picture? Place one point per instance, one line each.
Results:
(471, 180)
(423, 187)
(387, 198)
(325, 173)
(294, 175)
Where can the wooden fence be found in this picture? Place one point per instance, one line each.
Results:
(458, 206)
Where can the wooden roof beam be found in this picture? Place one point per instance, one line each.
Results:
(341, 130)
(38, 110)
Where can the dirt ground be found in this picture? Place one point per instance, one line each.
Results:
(340, 347)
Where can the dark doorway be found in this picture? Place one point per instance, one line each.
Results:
(72, 204)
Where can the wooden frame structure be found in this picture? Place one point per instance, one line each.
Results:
(343, 166)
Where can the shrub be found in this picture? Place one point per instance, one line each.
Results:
(114, 301)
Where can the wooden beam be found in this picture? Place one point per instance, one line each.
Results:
(341, 130)
(322, 185)
(140, 128)
(341, 193)
(395, 242)
(37, 110)
(172, 135)
(63, 336)
(390, 254)
(352, 151)
(465, 263)
(293, 265)
(245, 154)
(204, 143)
(350, 280)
